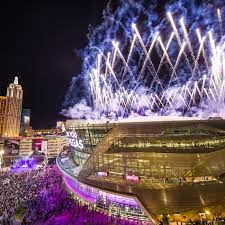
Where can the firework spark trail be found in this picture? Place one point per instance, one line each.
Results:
(129, 55)
(206, 92)
(185, 103)
(116, 45)
(195, 60)
(168, 98)
(211, 92)
(215, 76)
(99, 59)
(107, 62)
(212, 43)
(199, 54)
(149, 53)
(221, 94)
(144, 49)
(187, 39)
(214, 87)
(203, 50)
(220, 22)
(190, 95)
(178, 38)
(198, 90)
(164, 53)
(186, 92)
(128, 98)
(203, 86)
(107, 87)
(112, 72)
(114, 58)
(177, 60)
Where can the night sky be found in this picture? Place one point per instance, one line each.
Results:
(37, 42)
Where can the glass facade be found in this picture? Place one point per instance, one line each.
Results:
(152, 161)
(90, 135)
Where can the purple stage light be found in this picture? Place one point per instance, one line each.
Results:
(23, 164)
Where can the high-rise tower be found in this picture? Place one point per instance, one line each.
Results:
(13, 107)
(2, 113)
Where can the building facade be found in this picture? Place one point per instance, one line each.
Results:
(25, 147)
(50, 145)
(55, 145)
(10, 110)
(146, 169)
(2, 113)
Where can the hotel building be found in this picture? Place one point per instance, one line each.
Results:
(10, 110)
(2, 113)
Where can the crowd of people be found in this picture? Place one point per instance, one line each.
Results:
(45, 200)
(42, 195)
(16, 191)
(216, 221)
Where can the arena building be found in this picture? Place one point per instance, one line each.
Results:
(149, 169)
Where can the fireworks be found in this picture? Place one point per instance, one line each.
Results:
(110, 92)
(174, 71)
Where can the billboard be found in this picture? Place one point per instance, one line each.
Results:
(36, 146)
(11, 146)
(39, 146)
(132, 178)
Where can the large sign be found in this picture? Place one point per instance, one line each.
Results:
(73, 140)
(40, 146)
(102, 174)
(11, 147)
(132, 178)
(37, 145)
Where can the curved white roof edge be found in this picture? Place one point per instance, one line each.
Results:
(158, 118)
(138, 119)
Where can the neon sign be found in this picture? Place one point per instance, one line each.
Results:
(132, 177)
(73, 140)
(102, 174)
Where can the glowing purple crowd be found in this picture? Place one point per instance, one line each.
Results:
(45, 201)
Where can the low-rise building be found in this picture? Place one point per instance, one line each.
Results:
(25, 146)
(50, 145)
(56, 144)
